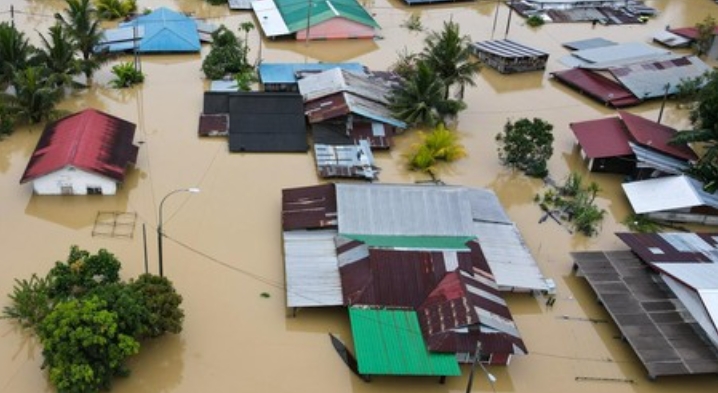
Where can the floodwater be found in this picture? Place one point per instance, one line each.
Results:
(224, 245)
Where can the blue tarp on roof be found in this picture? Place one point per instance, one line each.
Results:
(167, 31)
(285, 72)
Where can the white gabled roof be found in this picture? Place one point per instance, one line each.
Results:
(270, 18)
(667, 193)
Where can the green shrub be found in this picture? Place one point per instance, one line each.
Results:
(535, 21)
(126, 76)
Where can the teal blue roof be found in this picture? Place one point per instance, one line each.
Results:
(167, 31)
(294, 12)
(286, 72)
(389, 342)
(415, 242)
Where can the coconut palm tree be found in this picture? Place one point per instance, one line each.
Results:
(58, 54)
(114, 9)
(15, 51)
(83, 26)
(420, 101)
(448, 53)
(36, 94)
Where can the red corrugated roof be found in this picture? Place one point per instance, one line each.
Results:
(90, 140)
(602, 138)
(655, 136)
(597, 87)
(309, 207)
(653, 247)
(328, 107)
(689, 32)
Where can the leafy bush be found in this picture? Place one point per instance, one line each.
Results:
(526, 145)
(30, 301)
(535, 21)
(441, 144)
(574, 203)
(126, 76)
(413, 23)
(228, 55)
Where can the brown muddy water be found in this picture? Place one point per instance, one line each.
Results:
(224, 246)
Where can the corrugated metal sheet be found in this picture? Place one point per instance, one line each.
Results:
(389, 342)
(508, 49)
(414, 242)
(672, 246)
(224, 86)
(295, 13)
(287, 72)
(597, 87)
(702, 304)
(690, 32)
(670, 39)
(353, 161)
(667, 193)
(591, 43)
(311, 269)
(510, 260)
(341, 132)
(648, 79)
(485, 206)
(373, 209)
(213, 125)
(614, 55)
(309, 207)
(90, 140)
(655, 136)
(240, 4)
(698, 276)
(602, 138)
(649, 318)
(341, 104)
(337, 80)
(167, 31)
(652, 159)
(269, 17)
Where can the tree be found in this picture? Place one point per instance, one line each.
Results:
(441, 144)
(420, 101)
(114, 9)
(58, 54)
(706, 35)
(126, 75)
(36, 94)
(83, 346)
(15, 52)
(526, 145)
(406, 65)
(228, 55)
(30, 302)
(448, 53)
(162, 302)
(84, 27)
(83, 272)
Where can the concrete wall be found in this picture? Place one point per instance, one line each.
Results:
(72, 181)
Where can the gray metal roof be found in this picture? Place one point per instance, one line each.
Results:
(240, 4)
(372, 110)
(485, 206)
(649, 79)
(590, 43)
(312, 269)
(671, 40)
(614, 55)
(650, 158)
(336, 80)
(372, 209)
(507, 49)
(699, 276)
(667, 193)
(510, 260)
(345, 160)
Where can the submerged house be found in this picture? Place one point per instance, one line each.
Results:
(283, 77)
(413, 250)
(161, 31)
(662, 296)
(508, 57)
(85, 153)
(315, 20)
(673, 198)
(628, 144)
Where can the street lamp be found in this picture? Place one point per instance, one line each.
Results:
(477, 360)
(193, 190)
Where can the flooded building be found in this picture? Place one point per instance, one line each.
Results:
(628, 144)
(86, 153)
(348, 161)
(508, 57)
(283, 77)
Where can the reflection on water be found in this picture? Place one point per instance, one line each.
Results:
(225, 247)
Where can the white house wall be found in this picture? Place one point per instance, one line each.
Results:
(693, 303)
(75, 180)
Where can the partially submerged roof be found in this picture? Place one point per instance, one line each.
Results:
(649, 318)
(667, 193)
(353, 161)
(389, 342)
(341, 132)
(167, 31)
(690, 32)
(508, 49)
(311, 270)
(649, 158)
(656, 136)
(673, 246)
(670, 39)
(267, 122)
(311, 207)
(590, 43)
(614, 55)
(341, 104)
(597, 87)
(287, 72)
(335, 80)
(282, 17)
(656, 78)
(90, 140)
(602, 138)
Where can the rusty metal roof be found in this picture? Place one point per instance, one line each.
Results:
(602, 138)
(339, 132)
(213, 125)
(309, 207)
(672, 246)
(597, 87)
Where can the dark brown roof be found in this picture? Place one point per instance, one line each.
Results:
(662, 247)
(655, 136)
(213, 125)
(309, 207)
(602, 138)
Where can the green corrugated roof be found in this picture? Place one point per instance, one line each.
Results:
(418, 242)
(389, 342)
(295, 12)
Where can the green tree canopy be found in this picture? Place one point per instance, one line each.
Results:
(83, 25)
(15, 52)
(441, 144)
(228, 55)
(526, 145)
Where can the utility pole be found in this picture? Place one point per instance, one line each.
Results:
(12, 15)
(663, 104)
(496, 15)
(508, 23)
(309, 14)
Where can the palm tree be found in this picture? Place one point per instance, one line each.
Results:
(420, 99)
(83, 26)
(15, 52)
(113, 9)
(36, 94)
(58, 54)
(448, 53)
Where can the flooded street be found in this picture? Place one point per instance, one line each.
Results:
(224, 247)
